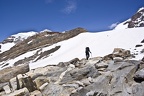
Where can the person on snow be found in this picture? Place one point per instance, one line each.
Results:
(87, 51)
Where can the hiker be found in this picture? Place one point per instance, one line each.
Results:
(87, 51)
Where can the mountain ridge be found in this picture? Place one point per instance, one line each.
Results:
(38, 41)
(137, 20)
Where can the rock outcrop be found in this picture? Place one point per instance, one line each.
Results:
(137, 20)
(10, 72)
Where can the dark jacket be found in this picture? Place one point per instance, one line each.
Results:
(87, 50)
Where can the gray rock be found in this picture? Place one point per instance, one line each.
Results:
(2, 93)
(28, 83)
(7, 89)
(21, 92)
(118, 59)
(74, 61)
(101, 65)
(8, 73)
(52, 90)
(139, 76)
(13, 83)
(39, 81)
(116, 76)
(100, 86)
(2, 85)
(80, 73)
(42, 87)
(118, 52)
(137, 89)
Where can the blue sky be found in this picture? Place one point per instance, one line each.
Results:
(60, 15)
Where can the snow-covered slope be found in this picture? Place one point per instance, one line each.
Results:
(13, 39)
(16, 38)
(135, 21)
(122, 25)
(24, 35)
(100, 43)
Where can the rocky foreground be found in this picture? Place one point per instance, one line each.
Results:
(111, 75)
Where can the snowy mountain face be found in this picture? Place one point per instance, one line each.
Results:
(14, 39)
(61, 48)
(137, 20)
(36, 43)
(17, 38)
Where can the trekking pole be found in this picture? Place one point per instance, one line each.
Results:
(91, 55)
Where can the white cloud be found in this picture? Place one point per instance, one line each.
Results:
(70, 7)
(112, 26)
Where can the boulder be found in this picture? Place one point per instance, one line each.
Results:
(42, 87)
(63, 64)
(118, 59)
(80, 73)
(139, 76)
(87, 71)
(22, 81)
(13, 82)
(39, 81)
(28, 83)
(137, 89)
(100, 86)
(54, 90)
(119, 52)
(101, 65)
(7, 89)
(2, 85)
(21, 92)
(11, 72)
(73, 61)
(70, 67)
(19, 80)
(2, 93)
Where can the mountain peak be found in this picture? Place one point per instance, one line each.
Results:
(46, 30)
(137, 20)
(141, 9)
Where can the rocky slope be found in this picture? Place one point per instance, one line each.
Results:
(37, 41)
(137, 20)
(111, 75)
